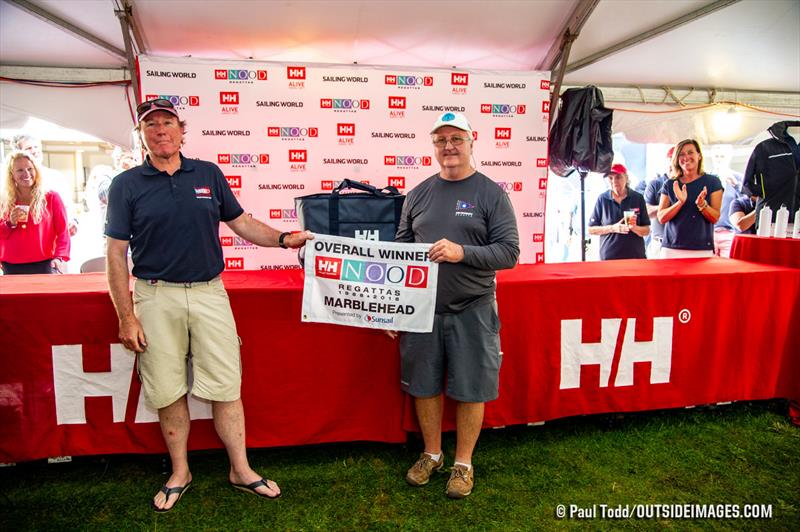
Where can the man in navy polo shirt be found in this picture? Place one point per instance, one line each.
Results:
(742, 214)
(168, 210)
(620, 218)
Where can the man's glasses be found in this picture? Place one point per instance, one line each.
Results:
(159, 103)
(441, 142)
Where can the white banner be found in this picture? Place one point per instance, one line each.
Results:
(283, 130)
(365, 283)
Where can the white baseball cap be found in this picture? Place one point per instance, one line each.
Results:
(456, 120)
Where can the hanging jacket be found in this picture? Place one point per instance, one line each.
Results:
(773, 171)
(580, 138)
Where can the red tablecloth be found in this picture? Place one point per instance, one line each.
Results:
(302, 383)
(728, 330)
(703, 330)
(779, 251)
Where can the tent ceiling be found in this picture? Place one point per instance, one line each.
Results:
(748, 45)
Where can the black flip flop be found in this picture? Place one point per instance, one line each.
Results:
(180, 490)
(251, 488)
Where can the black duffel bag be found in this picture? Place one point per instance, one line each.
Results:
(372, 214)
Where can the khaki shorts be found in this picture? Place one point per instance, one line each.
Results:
(182, 321)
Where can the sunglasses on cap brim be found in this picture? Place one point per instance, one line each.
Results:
(158, 103)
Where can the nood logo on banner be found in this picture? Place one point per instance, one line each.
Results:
(408, 81)
(243, 159)
(575, 354)
(343, 104)
(239, 75)
(175, 99)
(503, 109)
(406, 160)
(292, 132)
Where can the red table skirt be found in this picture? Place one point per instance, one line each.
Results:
(577, 339)
(778, 251)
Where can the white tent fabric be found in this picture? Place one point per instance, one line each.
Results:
(712, 124)
(101, 111)
(741, 45)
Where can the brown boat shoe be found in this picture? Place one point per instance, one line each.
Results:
(420, 473)
(461, 481)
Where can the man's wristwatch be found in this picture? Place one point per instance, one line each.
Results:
(281, 240)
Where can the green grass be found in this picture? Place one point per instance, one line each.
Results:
(737, 454)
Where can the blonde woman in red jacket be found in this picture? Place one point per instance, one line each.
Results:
(34, 234)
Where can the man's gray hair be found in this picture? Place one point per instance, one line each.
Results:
(17, 140)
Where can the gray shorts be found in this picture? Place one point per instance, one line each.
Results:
(466, 345)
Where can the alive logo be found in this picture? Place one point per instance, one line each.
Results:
(230, 102)
(459, 82)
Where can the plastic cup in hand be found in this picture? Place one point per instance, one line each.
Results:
(630, 218)
(23, 217)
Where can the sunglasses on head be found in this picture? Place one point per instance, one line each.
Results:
(158, 103)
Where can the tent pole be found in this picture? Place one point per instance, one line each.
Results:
(126, 36)
(583, 214)
(555, 90)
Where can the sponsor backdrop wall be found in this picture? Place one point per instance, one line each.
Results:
(280, 130)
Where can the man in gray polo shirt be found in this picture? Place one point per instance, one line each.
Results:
(471, 223)
(168, 211)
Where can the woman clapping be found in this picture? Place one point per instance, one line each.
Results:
(690, 204)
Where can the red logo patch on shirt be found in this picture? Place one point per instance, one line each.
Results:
(202, 192)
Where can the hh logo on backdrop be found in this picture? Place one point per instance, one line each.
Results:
(229, 98)
(457, 78)
(608, 353)
(397, 102)
(295, 72)
(345, 130)
(234, 263)
(298, 156)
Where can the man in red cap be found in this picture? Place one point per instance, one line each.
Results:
(620, 218)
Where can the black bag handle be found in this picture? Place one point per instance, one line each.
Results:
(333, 207)
(350, 183)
